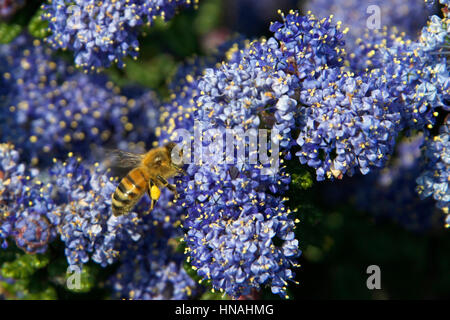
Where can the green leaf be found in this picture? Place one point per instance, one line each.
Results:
(191, 272)
(302, 180)
(208, 16)
(8, 32)
(87, 279)
(24, 266)
(151, 73)
(37, 27)
(19, 289)
(208, 295)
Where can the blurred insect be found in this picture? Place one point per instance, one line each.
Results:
(149, 173)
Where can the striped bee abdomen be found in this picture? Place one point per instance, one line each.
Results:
(130, 189)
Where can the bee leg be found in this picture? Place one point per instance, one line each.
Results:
(162, 180)
(171, 187)
(181, 171)
(153, 193)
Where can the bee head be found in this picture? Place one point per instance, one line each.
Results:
(176, 160)
(159, 161)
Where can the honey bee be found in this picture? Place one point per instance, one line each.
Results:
(149, 173)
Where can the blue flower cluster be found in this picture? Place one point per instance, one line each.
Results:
(149, 268)
(346, 123)
(83, 213)
(25, 204)
(435, 179)
(308, 44)
(104, 32)
(232, 225)
(338, 113)
(50, 108)
(443, 2)
(415, 72)
(362, 16)
(337, 122)
(241, 253)
(152, 268)
(231, 202)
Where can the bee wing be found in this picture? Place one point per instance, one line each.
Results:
(123, 159)
(120, 162)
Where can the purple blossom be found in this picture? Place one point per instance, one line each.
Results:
(49, 109)
(25, 204)
(347, 124)
(435, 178)
(103, 33)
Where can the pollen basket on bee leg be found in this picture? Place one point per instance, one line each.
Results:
(155, 192)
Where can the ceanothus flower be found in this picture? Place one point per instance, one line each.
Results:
(308, 44)
(103, 32)
(85, 222)
(346, 124)
(432, 2)
(51, 109)
(32, 232)
(149, 267)
(415, 74)
(368, 16)
(366, 54)
(243, 252)
(434, 180)
(253, 91)
(435, 34)
(25, 204)
(152, 268)
(249, 95)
